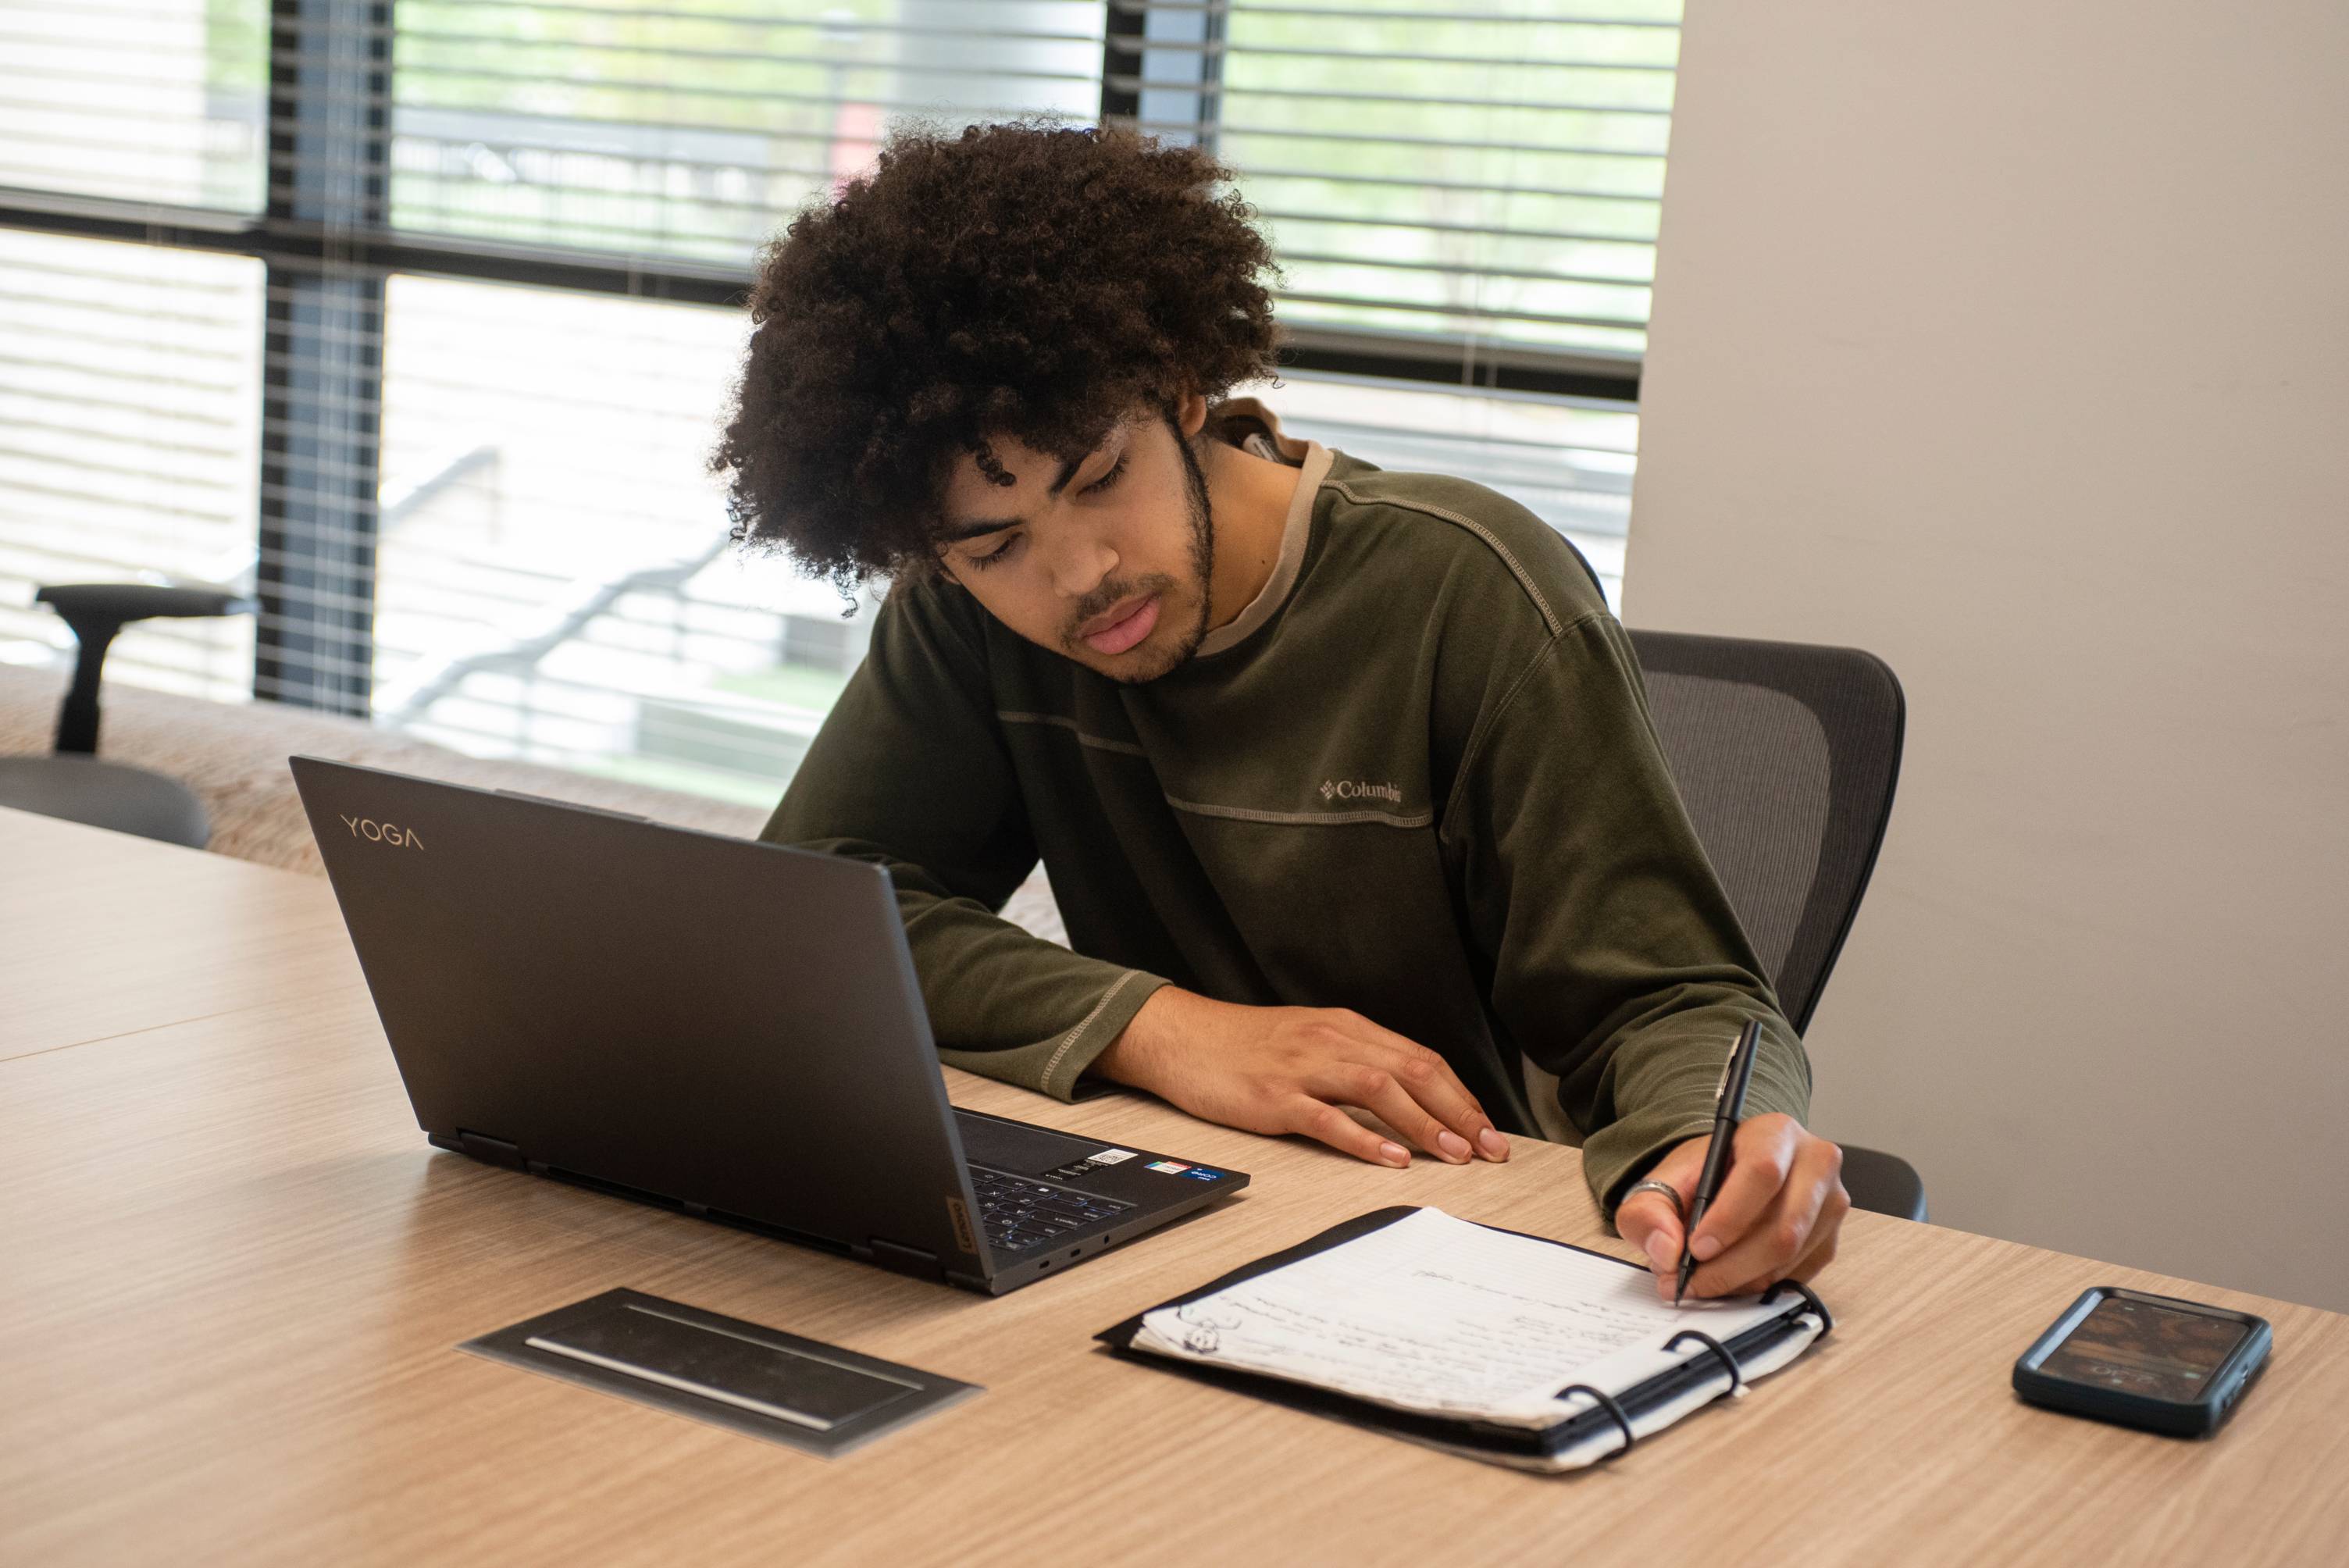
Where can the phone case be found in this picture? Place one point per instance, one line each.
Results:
(2221, 1391)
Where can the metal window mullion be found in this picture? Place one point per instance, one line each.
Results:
(329, 137)
(1164, 67)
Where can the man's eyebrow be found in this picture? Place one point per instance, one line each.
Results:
(955, 533)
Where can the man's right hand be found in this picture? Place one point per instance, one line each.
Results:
(1292, 1070)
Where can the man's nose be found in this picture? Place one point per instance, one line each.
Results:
(1081, 563)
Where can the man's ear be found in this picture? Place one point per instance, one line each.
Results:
(1190, 413)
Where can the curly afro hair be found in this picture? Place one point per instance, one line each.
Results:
(1021, 280)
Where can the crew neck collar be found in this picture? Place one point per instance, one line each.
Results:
(1247, 424)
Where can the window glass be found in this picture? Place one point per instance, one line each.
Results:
(690, 130)
(137, 100)
(1491, 174)
(555, 579)
(129, 405)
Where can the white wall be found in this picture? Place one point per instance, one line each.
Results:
(2010, 341)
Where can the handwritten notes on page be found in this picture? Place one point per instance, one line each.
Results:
(1435, 1314)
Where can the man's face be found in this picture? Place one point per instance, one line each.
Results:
(1105, 561)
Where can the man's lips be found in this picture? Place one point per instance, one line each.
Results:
(1132, 624)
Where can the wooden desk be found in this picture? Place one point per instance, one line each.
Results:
(102, 934)
(232, 1274)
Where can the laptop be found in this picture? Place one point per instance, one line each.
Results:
(715, 1025)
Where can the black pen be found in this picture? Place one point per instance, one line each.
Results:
(1729, 1106)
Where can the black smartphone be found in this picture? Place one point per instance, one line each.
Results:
(2148, 1361)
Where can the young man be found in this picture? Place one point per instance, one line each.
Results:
(1343, 779)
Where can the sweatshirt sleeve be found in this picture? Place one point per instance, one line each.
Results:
(1618, 964)
(910, 772)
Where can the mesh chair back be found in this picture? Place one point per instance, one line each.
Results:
(1785, 755)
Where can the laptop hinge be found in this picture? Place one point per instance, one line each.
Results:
(491, 1150)
(912, 1260)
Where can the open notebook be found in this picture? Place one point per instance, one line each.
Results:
(1483, 1341)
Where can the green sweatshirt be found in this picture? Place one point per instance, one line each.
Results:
(1416, 778)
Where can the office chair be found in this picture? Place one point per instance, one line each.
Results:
(1785, 755)
(74, 784)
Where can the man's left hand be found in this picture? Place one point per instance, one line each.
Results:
(1776, 1217)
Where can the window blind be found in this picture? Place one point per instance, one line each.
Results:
(128, 442)
(137, 100)
(1484, 178)
(422, 316)
(685, 131)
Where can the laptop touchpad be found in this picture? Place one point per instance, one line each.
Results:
(1018, 1148)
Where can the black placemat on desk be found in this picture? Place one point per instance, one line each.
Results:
(733, 1373)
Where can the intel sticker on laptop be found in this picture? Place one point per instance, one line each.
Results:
(1201, 1174)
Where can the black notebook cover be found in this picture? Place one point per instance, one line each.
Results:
(1454, 1431)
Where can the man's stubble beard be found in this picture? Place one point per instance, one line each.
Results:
(1202, 567)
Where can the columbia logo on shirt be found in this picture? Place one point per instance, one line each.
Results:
(1360, 790)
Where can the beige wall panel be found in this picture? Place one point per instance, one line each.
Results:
(2012, 341)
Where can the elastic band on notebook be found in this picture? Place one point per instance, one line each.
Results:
(1736, 1378)
(1606, 1402)
(1827, 1320)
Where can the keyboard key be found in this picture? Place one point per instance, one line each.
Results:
(1019, 1214)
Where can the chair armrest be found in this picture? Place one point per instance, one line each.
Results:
(124, 601)
(1882, 1183)
(96, 612)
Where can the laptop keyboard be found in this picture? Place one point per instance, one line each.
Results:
(1018, 1215)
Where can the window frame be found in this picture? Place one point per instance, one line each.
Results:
(326, 249)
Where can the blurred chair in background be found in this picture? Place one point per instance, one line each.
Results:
(73, 783)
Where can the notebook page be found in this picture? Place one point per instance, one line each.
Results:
(1435, 1314)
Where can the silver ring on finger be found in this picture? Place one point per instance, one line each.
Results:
(1664, 1190)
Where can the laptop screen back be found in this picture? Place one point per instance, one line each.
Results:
(713, 1021)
